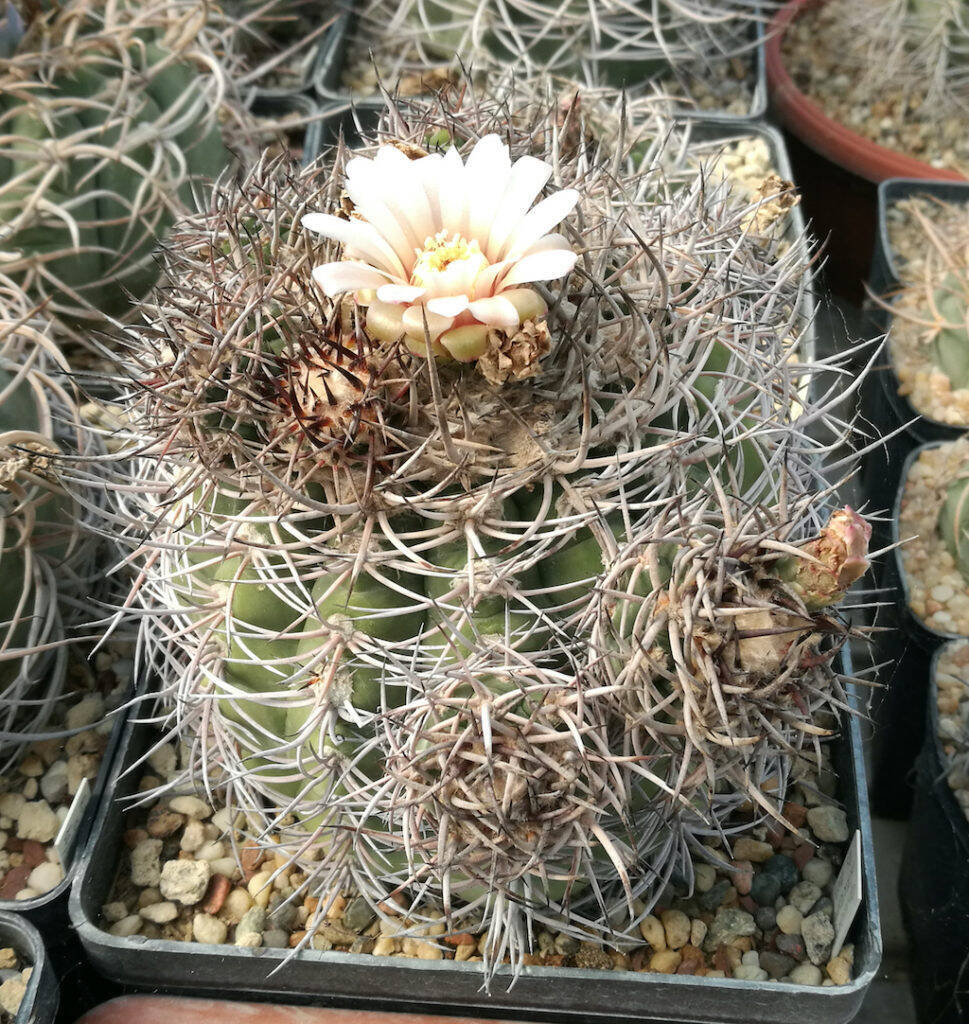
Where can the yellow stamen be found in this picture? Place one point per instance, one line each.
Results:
(440, 251)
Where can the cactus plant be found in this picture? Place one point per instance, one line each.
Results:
(109, 121)
(929, 340)
(954, 522)
(46, 555)
(609, 43)
(402, 417)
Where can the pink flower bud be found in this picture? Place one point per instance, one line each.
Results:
(842, 557)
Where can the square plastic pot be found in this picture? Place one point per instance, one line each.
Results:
(49, 911)
(935, 890)
(327, 72)
(545, 993)
(904, 647)
(885, 409)
(39, 1005)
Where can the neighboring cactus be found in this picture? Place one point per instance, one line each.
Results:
(597, 42)
(954, 523)
(951, 342)
(46, 557)
(109, 124)
(375, 511)
(268, 46)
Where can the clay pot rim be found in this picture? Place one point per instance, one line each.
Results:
(804, 118)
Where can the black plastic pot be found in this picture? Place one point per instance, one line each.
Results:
(39, 1004)
(306, 114)
(884, 408)
(904, 646)
(934, 885)
(49, 911)
(559, 994)
(885, 267)
(327, 71)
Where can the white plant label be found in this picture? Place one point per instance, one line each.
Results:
(64, 843)
(847, 894)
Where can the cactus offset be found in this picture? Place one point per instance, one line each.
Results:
(951, 341)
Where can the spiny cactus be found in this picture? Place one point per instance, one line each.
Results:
(46, 555)
(914, 49)
(268, 46)
(719, 627)
(398, 417)
(597, 42)
(109, 123)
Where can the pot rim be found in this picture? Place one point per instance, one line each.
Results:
(806, 119)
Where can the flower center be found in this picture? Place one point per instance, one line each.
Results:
(440, 251)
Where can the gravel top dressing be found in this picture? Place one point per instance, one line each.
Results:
(937, 592)
(829, 65)
(187, 873)
(36, 795)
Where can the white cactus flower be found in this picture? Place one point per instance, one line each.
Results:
(450, 243)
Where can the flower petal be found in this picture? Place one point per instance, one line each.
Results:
(540, 266)
(367, 188)
(359, 238)
(400, 293)
(429, 171)
(453, 195)
(413, 321)
(495, 312)
(452, 305)
(347, 276)
(487, 170)
(540, 220)
(404, 192)
(527, 179)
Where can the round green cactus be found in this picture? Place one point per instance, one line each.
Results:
(46, 556)
(109, 128)
(954, 522)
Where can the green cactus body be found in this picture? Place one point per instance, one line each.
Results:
(126, 248)
(355, 608)
(951, 343)
(80, 261)
(954, 523)
(119, 193)
(172, 84)
(488, 614)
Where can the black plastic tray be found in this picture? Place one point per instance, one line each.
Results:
(306, 106)
(904, 647)
(884, 408)
(934, 885)
(40, 1001)
(327, 70)
(49, 911)
(541, 993)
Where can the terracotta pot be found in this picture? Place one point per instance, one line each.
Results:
(806, 120)
(170, 1010)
